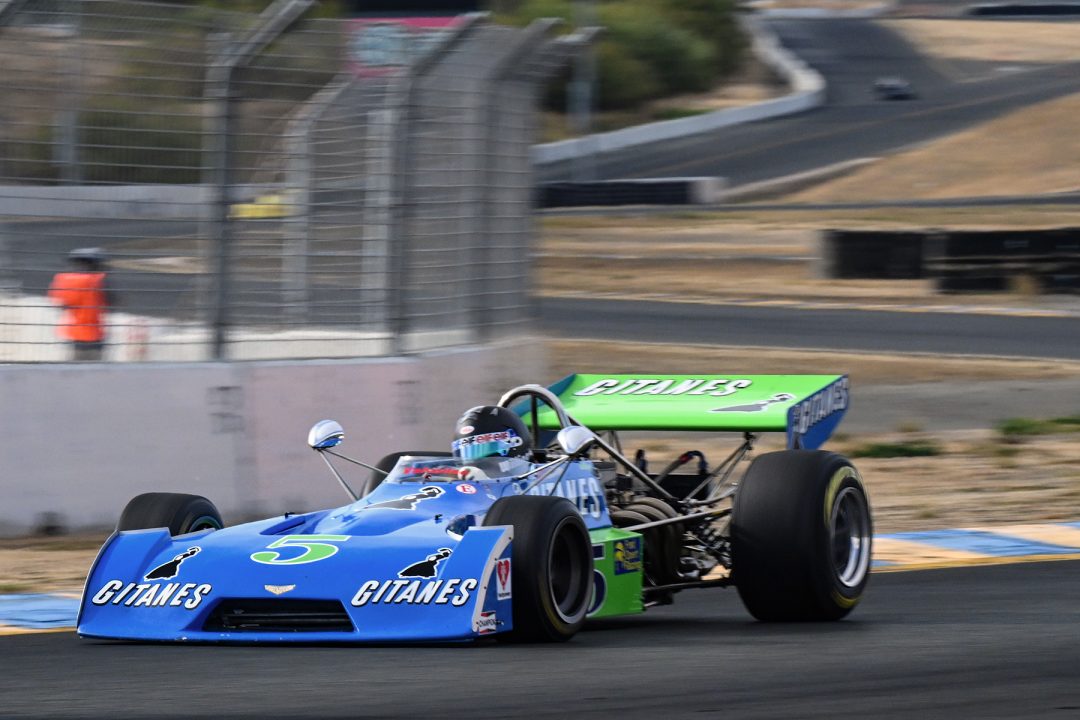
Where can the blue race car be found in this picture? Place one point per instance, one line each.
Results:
(518, 532)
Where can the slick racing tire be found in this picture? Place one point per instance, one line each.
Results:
(552, 566)
(387, 464)
(801, 534)
(178, 512)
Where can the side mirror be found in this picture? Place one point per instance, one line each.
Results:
(325, 434)
(575, 439)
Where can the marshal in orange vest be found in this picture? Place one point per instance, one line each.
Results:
(82, 295)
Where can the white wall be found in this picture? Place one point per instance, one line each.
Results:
(81, 440)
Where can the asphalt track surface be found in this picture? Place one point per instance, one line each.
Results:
(977, 642)
(796, 327)
(850, 54)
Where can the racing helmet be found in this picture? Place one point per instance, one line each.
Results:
(490, 431)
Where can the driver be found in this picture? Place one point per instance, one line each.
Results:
(490, 431)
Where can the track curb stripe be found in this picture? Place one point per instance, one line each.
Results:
(976, 546)
(896, 552)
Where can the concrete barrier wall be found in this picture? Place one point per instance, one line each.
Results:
(81, 440)
(114, 201)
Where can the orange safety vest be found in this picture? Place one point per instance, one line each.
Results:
(82, 295)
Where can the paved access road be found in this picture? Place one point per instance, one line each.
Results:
(982, 642)
(850, 54)
(805, 327)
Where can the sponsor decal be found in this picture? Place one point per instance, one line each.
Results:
(505, 436)
(167, 571)
(503, 585)
(186, 595)
(279, 589)
(313, 549)
(408, 502)
(627, 556)
(466, 489)
(429, 471)
(756, 406)
(599, 592)
(820, 405)
(428, 567)
(485, 624)
(646, 386)
(585, 492)
(465, 429)
(450, 591)
(598, 552)
(504, 441)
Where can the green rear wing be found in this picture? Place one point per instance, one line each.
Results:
(806, 407)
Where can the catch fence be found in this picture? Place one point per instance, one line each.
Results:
(270, 186)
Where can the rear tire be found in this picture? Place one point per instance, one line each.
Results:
(801, 536)
(178, 512)
(552, 566)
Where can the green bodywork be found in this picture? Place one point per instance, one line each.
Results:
(617, 572)
(720, 403)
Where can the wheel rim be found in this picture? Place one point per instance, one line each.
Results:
(849, 537)
(205, 522)
(566, 564)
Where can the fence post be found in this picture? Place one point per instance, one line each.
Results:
(230, 56)
(534, 35)
(219, 137)
(299, 181)
(402, 101)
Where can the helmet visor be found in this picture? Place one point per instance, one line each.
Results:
(486, 445)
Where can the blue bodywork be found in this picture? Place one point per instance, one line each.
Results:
(411, 562)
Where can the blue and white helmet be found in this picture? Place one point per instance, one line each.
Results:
(490, 431)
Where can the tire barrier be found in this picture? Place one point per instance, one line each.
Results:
(885, 255)
(648, 191)
(1034, 9)
(997, 260)
(960, 261)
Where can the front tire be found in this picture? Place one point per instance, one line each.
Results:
(178, 512)
(801, 536)
(552, 566)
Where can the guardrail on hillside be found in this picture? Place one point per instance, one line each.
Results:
(808, 91)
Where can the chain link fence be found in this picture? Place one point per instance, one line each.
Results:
(266, 186)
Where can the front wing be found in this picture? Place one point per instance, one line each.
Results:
(204, 587)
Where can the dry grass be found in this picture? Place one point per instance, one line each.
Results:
(968, 485)
(994, 41)
(864, 368)
(755, 257)
(1031, 151)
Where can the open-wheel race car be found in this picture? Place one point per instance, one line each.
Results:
(534, 522)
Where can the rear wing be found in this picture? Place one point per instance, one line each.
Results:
(806, 407)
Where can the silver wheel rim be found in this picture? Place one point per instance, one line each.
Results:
(849, 537)
(569, 593)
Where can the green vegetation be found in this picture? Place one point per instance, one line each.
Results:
(1022, 427)
(910, 448)
(650, 48)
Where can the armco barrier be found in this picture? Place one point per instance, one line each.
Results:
(958, 260)
(645, 191)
